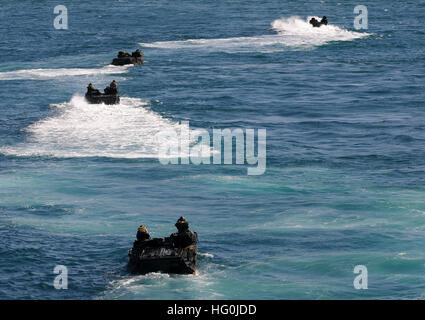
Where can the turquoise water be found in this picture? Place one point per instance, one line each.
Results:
(343, 109)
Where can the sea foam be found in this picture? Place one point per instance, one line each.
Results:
(291, 33)
(43, 74)
(80, 129)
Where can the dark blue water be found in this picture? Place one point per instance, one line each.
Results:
(343, 109)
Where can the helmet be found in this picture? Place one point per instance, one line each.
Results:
(142, 229)
(142, 233)
(182, 224)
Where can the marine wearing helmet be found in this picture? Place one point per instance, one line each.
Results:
(137, 53)
(184, 237)
(112, 88)
(92, 90)
(142, 233)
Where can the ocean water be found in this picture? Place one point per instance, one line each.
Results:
(344, 114)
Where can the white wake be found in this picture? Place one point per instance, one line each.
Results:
(43, 74)
(291, 33)
(80, 129)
